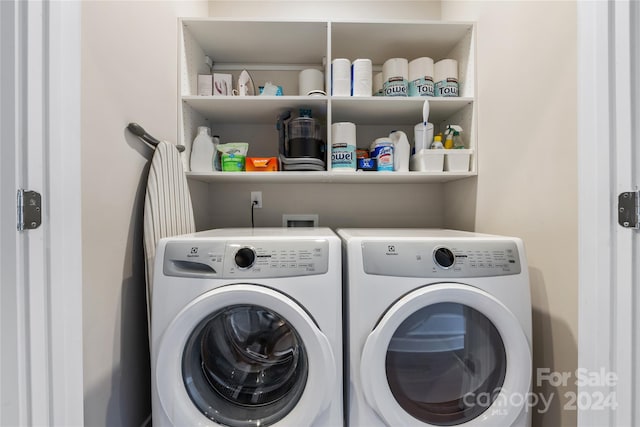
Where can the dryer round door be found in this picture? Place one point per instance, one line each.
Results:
(447, 354)
(244, 355)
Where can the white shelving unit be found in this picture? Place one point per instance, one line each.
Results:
(277, 51)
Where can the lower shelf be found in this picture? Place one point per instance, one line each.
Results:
(358, 177)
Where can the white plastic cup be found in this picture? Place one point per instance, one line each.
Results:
(310, 80)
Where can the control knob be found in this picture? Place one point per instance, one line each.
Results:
(444, 257)
(245, 257)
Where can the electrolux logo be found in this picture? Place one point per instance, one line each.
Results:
(391, 250)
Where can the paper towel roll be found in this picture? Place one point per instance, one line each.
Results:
(343, 146)
(341, 77)
(421, 67)
(361, 77)
(446, 78)
(310, 80)
(395, 75)
(446, 68)
(421, 77)
(395, 67)
(377, 84)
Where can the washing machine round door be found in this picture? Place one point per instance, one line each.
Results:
(447, 354)
(244, 355)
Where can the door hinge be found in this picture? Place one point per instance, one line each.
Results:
(29, 210)
(629, 209)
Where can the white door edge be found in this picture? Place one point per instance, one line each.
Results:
(40, 146)
(65, 211)
(606, 257)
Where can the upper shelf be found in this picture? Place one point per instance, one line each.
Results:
(305, 42)
(253, 109)
(398, 110)
(364, 111)
(380, 41)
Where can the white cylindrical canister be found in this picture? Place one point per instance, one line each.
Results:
(446, 77)
(420, 142)
(341, 77)
(361, 77)
(377, 84)
(343, 147)
(309, 81)
(395, 75)
(421, 77)
(382, 151)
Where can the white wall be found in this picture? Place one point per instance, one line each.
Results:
(327, 9)
(527, 164)
(129, 73)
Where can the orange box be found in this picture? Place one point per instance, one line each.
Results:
(261, 164)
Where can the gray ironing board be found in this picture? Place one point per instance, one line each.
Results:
(167, 206)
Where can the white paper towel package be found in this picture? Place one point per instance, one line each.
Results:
(421, 77)
(446, 77)
(395, 75)
(361, 77)
(343, 147)
(341, 77)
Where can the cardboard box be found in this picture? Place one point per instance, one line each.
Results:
(222, 84)
(205, 85)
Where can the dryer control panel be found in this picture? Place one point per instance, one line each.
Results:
(246, 259)
(446, 259)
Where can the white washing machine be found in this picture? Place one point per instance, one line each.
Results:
(439, 328)
(246, 329)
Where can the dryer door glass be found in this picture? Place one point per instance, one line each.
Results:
(445, 364)
(245, 365)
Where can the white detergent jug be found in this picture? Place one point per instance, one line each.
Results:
(202, 151)
(401, 151)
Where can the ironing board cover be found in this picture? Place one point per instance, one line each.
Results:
(167, 206)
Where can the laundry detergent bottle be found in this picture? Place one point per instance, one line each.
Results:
(401, 151)
(202, 151)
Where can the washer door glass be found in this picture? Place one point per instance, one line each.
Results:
(245, 365)
(445, 364)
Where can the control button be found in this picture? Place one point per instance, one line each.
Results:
(444, 257)
(245, 257)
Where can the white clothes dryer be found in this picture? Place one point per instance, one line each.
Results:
(246, 329)
(439, 329)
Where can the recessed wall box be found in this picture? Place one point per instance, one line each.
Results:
(299, 220)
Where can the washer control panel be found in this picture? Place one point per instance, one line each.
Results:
(246, 259)
(445, 259)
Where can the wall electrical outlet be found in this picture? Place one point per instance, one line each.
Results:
(256, 196)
